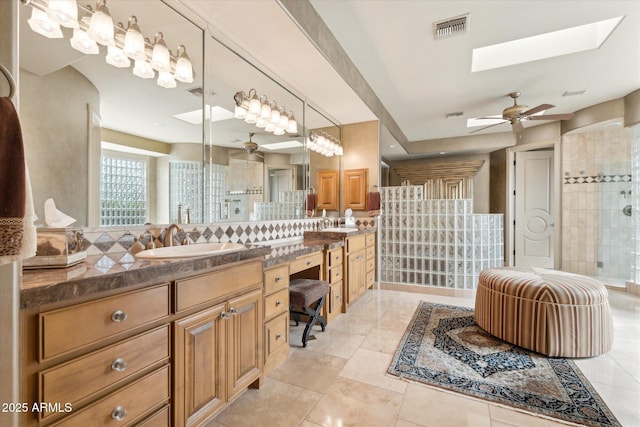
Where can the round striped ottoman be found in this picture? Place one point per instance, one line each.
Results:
(551, 312)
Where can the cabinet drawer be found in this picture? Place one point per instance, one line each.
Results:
(334, 257)
(371, 279)
(205, 288)
(78, 326)
(355, 243)
(276, 303)
(371, 239)
(371, 253)
(371, 264)
(276, 278)
(276, 334)
(304, 262)
(160, 419)
(335, 298)
(335, 274)
(89, 374)
(127, 405)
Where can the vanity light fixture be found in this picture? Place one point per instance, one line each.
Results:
(266, 115)
(324, 144)
(101, 25)
(43, 25)
(97, 26)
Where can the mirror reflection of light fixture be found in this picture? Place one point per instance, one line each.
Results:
(82, 42)
(166, 80)
(258, 110)
(64, 12)
(184, 68)
(43, 25)
(160, 59)
(98, 27)
(324, 144)
(101, 25)
(134, 41)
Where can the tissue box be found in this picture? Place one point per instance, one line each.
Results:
(57, 248)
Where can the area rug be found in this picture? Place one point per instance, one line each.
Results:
(445, 348)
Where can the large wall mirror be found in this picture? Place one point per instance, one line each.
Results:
(84, 119)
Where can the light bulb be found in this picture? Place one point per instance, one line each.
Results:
(292, 127)
(101, 25)
(251, 118)
(261, 123)
(255, 107)
(64, 12)
(160, 56)
(82, 42)
(166, 80)
(43, 25)
(134, 41)
(275, 114)
(116, 58)
(265, 109)
(270, 127)
(184, 68)
(143, 69)
(239, 112)
(284, 120)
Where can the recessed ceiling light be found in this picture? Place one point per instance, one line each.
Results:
(282, 145)
(543, 46)
(392, 146)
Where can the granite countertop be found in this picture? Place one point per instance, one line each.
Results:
(99, 273)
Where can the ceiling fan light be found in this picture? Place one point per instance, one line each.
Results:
(101, 25)
(143, 69)
(166, 80)
(160, 59)
(83, 43)
(184, 68)
(43, 25)
(64, 12)
(116, 58)
(134, 41)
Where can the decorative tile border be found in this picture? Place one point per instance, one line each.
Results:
(597, 179)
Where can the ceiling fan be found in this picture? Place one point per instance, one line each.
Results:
(251, 147)
(516, 114)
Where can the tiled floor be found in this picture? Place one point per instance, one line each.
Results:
(340, 379)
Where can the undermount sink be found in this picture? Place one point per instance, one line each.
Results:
(187, 251)
(339, 229)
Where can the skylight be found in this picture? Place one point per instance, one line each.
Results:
(195, 117)
(543, 46)
(281, 145)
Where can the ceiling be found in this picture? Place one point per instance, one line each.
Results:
(418, 80)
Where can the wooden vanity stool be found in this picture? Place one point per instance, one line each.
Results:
(309, 295)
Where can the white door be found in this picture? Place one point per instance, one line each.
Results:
(534, 209)
(280, 180)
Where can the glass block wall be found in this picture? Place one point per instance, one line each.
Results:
(123, 191)
(439, 243)
(215, 187)
(185, 188)
(290, 204)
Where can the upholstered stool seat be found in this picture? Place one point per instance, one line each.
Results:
(309, 295)
(551, 312)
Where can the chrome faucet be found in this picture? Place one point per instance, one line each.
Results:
(168, 235)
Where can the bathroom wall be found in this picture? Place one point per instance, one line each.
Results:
(361, 150)
(67, 92)
(596, 235)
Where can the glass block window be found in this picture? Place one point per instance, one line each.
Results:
(185, 188)
(123, 191)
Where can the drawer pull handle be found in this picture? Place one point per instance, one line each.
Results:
(118, 316)
(337, 296)
(308, 262)
(225, 315)
(119, 365)
(278, 336)
(278, 302)
(118, 413)
(278, 278)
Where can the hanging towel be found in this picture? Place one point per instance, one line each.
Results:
(373, 202)
(311, 204)
(17, 231)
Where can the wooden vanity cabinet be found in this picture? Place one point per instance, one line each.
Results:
(276, 316)
(370, 257)
(333, 274)
(355, 186)
(360, 254)
(328, 184)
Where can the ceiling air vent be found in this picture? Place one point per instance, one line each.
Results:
(197, 91)
(451, 27)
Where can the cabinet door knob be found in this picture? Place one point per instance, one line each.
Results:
(225, 315)
(337, 296)
(278, 336)
(278, 278)
(233, 311)
(119, 365)
(278, 302)
(118, 316)
(118, 413)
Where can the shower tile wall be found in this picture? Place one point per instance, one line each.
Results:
(596, 234)
(436, 242)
